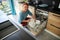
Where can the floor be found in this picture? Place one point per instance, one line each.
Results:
(46, 36)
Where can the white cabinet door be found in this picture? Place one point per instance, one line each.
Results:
(32, 9)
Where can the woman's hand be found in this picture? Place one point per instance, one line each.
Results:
(28, 20)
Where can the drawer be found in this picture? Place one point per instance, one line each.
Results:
(54, 16)
(53, 29)
(54, 22)
(54, 19)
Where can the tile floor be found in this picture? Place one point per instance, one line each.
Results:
(46, 36)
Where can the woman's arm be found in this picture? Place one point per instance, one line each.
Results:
(26, 20)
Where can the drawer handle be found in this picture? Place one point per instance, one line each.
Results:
(56, 15)
(54, 26)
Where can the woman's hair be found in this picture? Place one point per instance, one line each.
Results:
(25, 4)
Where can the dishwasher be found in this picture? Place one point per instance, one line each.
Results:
(41, 20)
(41, 15)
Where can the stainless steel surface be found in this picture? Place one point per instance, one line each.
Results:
(8, 30)
(41, 15)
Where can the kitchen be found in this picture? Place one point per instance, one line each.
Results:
(48, 19)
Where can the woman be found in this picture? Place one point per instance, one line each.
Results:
(24, 13)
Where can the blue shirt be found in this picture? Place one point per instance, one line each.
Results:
(22, 15)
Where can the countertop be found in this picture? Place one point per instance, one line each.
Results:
(49, 9)
(3, 17)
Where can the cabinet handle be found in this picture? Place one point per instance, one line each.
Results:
(54, 26)
(56, 15)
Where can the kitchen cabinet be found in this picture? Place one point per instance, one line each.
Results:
(53, 23)
(32, 9)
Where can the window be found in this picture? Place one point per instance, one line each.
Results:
(4, 6)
